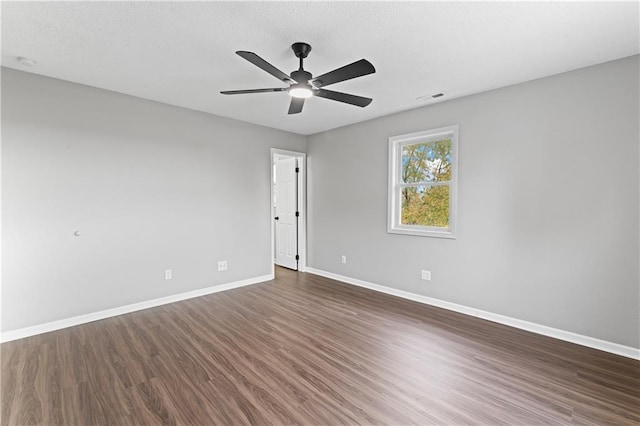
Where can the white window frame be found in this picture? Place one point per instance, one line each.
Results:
(395, 203)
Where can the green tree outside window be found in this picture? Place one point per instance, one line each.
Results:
(426, 174)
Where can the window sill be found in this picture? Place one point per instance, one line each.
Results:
(421, 232)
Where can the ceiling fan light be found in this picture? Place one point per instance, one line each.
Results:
(300, 91)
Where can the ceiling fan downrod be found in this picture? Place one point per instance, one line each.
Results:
(301, 50)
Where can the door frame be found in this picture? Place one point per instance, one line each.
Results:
(302, 206)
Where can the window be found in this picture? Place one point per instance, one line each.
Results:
(423, 169)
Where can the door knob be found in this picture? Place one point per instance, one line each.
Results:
(277, 218)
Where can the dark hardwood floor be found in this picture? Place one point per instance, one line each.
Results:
(307, 350)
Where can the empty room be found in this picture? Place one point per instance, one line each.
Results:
(320, 213)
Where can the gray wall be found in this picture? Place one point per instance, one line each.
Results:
(548, 219)
(149, 186)
(547, 206)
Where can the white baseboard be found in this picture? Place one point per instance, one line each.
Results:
(567, 336)
(95, 316)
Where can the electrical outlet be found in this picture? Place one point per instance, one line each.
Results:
(425, 275)
(222, 265)
(168, 274)
(344, 259)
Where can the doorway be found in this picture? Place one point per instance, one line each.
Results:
(288, 208)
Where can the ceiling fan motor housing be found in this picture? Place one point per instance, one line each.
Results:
(301, 76)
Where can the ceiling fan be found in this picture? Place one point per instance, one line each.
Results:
(303, 85)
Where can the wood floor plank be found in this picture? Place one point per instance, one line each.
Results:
(303, 349)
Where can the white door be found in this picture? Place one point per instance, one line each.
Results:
(285, 213)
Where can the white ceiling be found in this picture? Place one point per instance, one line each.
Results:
(182, 53)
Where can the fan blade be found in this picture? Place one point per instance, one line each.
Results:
(343, 97)
(266, 66)
(296, 105)
(241, 92)
(356, 69)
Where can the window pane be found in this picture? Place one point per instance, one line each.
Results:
(425, 206)
(427, 162)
